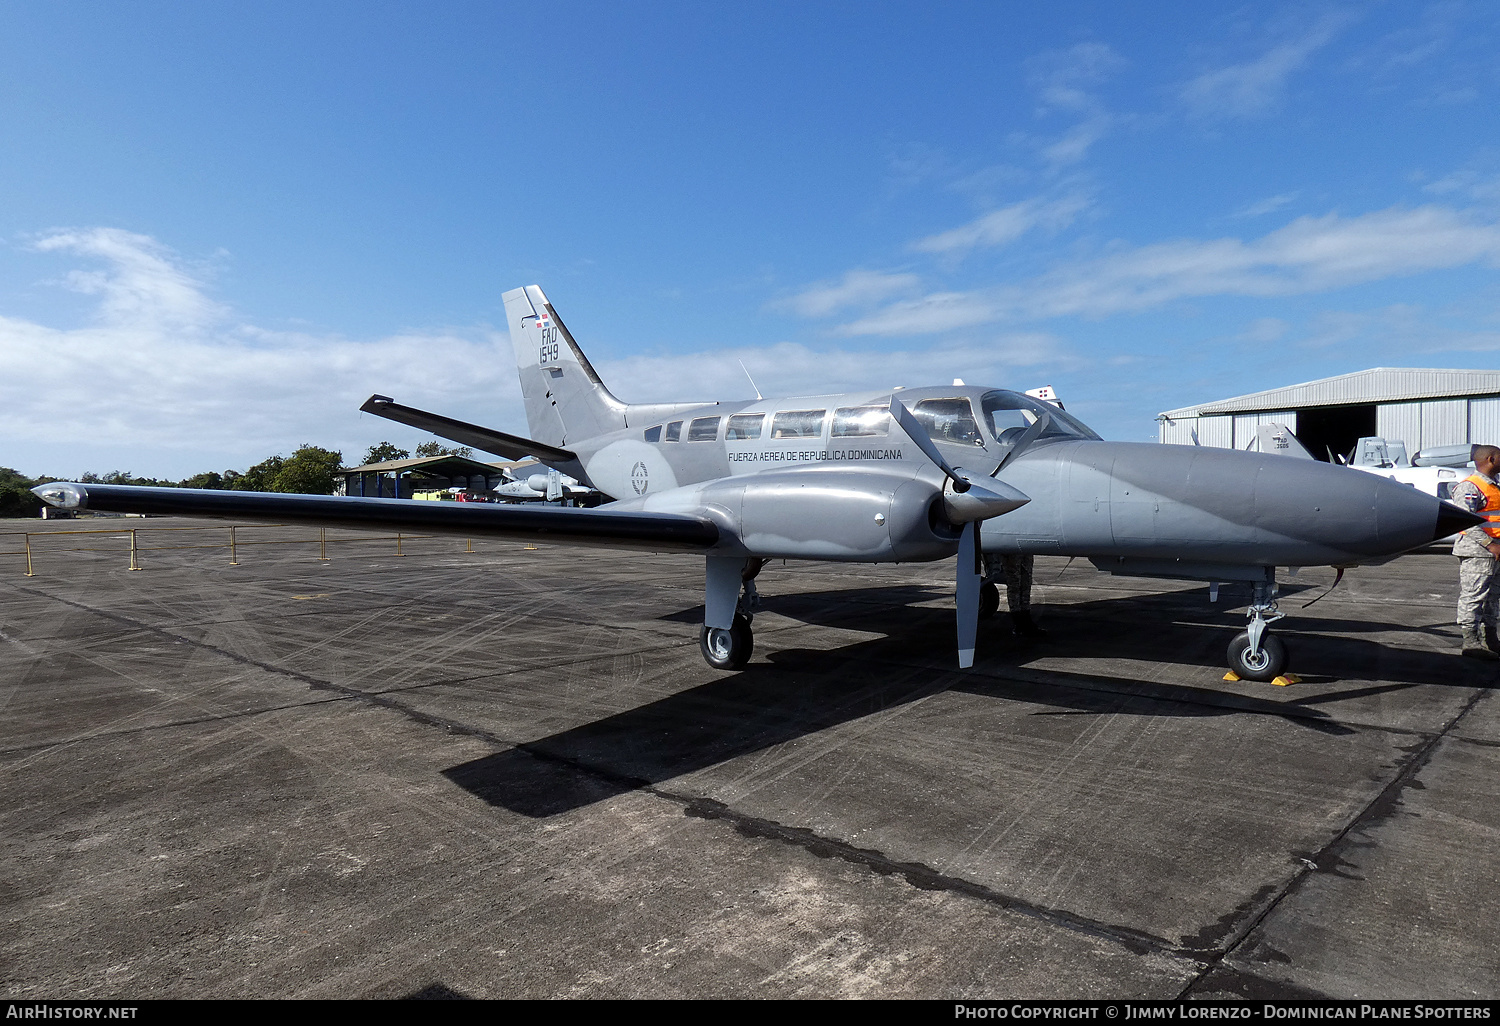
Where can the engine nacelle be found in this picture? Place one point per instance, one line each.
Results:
(859, 516)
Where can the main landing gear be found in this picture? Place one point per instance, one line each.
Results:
(1254, 654)
(729, 648)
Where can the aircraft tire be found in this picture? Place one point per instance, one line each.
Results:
(1269, 666)
(989, 600)
(727, 650)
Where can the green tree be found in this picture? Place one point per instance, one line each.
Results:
(436, 449)
(259, 478)
(210, 479)
(309, 471)
(16, 499)
(384, 453)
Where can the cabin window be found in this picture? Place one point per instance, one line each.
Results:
(653, 434)
(798, 424)
(859, 421)
(704, 429)
(744, 426)
(949, 420)
(674, 431)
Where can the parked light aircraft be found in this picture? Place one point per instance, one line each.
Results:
(533, 482)
(1383, 457)
(879, 476)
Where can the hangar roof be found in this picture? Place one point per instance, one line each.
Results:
(432, 464)
(1376, 385)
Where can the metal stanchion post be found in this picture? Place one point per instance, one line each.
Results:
(134, 565)
(323, 543)
(28, 557)
(471, 546)
(398, 544)
(234, 559)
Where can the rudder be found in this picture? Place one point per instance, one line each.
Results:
(565, 399)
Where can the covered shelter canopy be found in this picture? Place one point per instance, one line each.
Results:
(399, 478)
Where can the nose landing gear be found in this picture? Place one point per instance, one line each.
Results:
(1254, 654)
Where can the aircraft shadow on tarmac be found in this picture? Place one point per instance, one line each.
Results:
(793, 692)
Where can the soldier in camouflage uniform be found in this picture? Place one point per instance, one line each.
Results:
(1017, 570)
(1478, 552)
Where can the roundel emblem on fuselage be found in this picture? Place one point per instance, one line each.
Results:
(639, 479)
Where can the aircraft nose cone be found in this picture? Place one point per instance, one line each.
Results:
(1451, 520)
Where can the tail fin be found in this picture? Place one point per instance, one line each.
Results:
(565, 400)
(1277, 439)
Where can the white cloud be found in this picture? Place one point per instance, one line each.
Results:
(1481, 184)
(1255, 87)
(144, 285)
(1062, 79)
(999, 227)
(1312, 254)
(1269, 205)
(167, 377)
(855, 288)
(790, 368)
(1060, 76)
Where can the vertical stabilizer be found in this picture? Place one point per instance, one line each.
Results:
(1279, 440)
(565, 400)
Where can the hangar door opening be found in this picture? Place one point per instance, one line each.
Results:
(1336, 429)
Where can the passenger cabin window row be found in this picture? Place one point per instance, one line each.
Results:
(1006, 416)
(848, 422)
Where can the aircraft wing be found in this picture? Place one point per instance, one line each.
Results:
(512, 447)
(650, 532)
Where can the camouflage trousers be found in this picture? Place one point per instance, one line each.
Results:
(1018, 572)
(1478, 589)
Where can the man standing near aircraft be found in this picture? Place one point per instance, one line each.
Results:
(1478, 552)
(1017, 571)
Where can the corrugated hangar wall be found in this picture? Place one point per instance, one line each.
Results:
(1331, 414)
(1420, 425)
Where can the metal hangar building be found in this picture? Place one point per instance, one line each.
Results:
(1423, 408)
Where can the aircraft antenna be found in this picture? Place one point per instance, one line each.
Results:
(752, 380)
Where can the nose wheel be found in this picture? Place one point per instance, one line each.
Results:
(1266, 663)
(1255, 654)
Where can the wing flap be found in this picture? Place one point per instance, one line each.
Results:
(651, 532)
(512, 447)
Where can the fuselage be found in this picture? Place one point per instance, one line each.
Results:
(1089, 497)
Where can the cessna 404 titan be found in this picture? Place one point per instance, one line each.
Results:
(893, 476)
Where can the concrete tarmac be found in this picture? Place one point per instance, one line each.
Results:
(509, 773)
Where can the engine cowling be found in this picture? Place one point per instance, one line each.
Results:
(861, 516)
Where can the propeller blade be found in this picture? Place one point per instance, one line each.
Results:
(968, 581)
(1031, 434)
(917, 433)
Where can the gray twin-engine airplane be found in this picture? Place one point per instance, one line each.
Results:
(894, 476)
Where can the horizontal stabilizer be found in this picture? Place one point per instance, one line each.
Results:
(649, 532)
(512, 447)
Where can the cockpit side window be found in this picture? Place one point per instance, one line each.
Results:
(949, 420)
(653, 434)
(674, 431)
(1007, 415)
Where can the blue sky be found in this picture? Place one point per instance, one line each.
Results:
(222, 226)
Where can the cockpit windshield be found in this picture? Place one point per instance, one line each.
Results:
(1007, 415)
